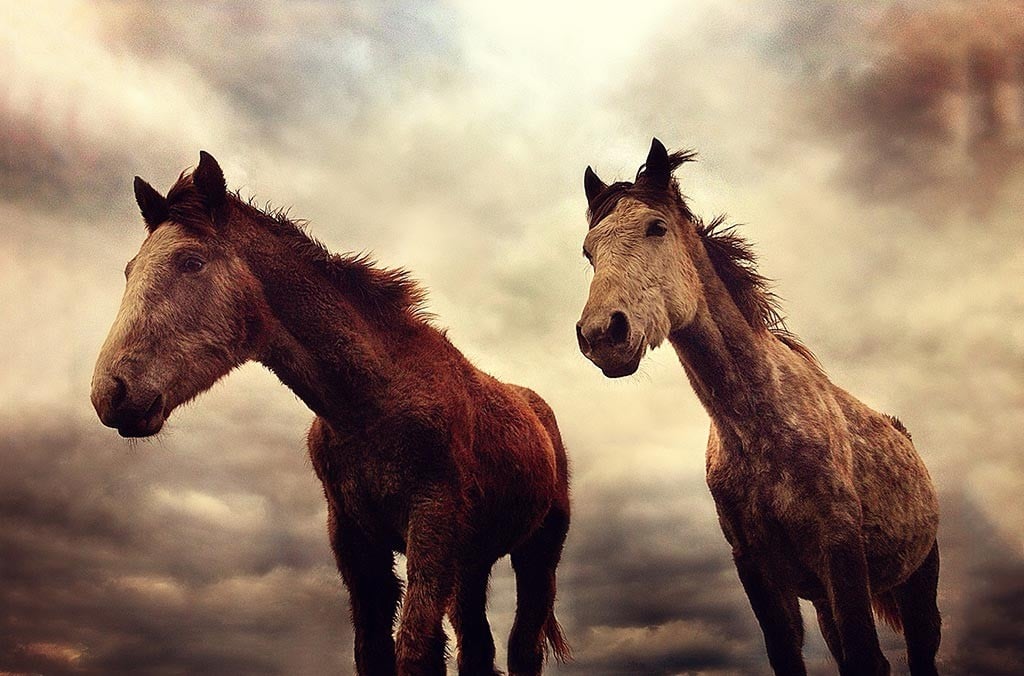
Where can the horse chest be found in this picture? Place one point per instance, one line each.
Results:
(380, 512)
(368, 489)
(753, 500)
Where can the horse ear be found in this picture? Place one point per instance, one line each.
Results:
(656, 169)
(209, 182)
(152, 204)
(592, 185)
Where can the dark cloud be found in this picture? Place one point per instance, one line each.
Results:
(990, 635)
(123, 559)
(110, 566)
(285, 67)
(291, 81)
(649, 583)
(50, 172)
(926, 100)
(921, 103)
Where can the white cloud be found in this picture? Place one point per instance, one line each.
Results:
(240, 510)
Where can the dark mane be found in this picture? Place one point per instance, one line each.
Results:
(379, 291)
(184, 204)
(735, 263)
(731, 255)
(900, 427)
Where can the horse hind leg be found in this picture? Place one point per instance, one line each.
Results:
(922, 626)
(534, 563)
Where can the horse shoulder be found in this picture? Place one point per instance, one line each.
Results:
(724, 468)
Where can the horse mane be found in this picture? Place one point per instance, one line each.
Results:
(900, 427)
(735, 262)
(382, 292)
(731, 255)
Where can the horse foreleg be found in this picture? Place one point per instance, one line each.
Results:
(850, 600)
(922, 625)
(534, 563)
(429, 555)
(468, 614)
(829, 631)
(367, 568)
(778, 612)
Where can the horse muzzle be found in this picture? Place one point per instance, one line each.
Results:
(610, 344)
(132, 411)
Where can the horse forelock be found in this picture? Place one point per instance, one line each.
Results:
(643, 189)
(185, 205)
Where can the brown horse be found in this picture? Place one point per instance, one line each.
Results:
(820, 497)
(418, 451)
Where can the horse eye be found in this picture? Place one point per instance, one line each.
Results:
(192, 264)
(656, 228)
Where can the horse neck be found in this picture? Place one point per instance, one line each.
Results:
(314, 338)
(729, 362)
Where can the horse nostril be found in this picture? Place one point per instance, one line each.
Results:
(156, 406)
(118, 393)
(584, 344)
(618, 328)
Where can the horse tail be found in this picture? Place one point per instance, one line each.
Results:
(887, 610)
(556, 639)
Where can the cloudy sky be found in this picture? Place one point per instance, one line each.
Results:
(873, 151)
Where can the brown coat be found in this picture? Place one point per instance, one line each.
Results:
(419, 452)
